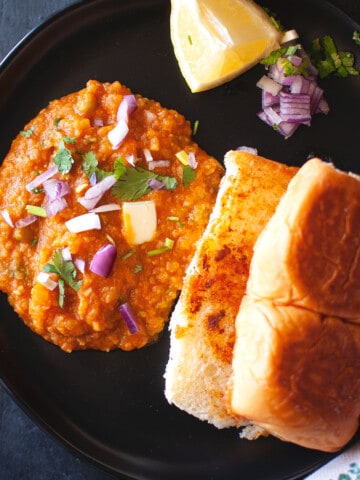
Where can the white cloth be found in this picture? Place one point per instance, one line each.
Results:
(345, 466)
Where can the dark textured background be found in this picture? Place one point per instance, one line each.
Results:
(26, 451)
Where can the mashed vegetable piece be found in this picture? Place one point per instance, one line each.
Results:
(45, 264)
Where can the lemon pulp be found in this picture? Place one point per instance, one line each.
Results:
(216, 40)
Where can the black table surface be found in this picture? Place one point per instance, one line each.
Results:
(26, 451)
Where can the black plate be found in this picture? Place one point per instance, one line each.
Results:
(110, 406)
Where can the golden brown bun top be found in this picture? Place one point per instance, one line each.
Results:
(297, 350)
(316, 242)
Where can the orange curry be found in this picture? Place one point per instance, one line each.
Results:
(63, 188)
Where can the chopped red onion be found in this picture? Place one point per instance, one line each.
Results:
(117, 135)
(131, 159)
(55, 206)
(298, 99)
(93, 179)
(109, 207)
(289, 36)
(127, 106)
(147, 154)
(66, 254)
(268, 100)
(25, 222)
(103, 260)
(155, 184)
(41, 178)
(6, 217)
(80, 264)
(192, 160)
(269, 85)
(83, 223)
(95, 193)
(158, 163)
(45, 279)
(128, 317)
(98, 122)
(295, 108)
(55, 188)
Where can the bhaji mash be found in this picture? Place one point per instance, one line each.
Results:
(103, 198)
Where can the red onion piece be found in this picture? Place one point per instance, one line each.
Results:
(147, 154)
(45, 279)
(192, 160)
(155, 184)
(95, 193)
(80, 264)
(128, 317)
(117, 135)
(127, 106)
(55, 188)
(6, 217)
(103, 260)
(83, 223)
(109, 207)
(66, 254)
(55, 206)
(25, 222)
(41, 178)
(158, 163)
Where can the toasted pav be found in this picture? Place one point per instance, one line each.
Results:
(297, 351)
(202, 324)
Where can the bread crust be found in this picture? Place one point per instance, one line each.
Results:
(297, 351)
(202, 324)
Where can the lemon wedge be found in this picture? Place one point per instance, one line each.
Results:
(216, 40)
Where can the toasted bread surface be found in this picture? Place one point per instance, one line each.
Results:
(297, 351)
(202, 324)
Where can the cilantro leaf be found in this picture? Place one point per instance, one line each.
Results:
(356, 37)
(119, 167)
(188, 175)
(90, 166)
(63, 158)
(27, 133)
(64, 268)
(133, 183)
(90, 163)
(329, 60)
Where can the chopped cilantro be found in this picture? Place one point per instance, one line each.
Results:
(137, 269)
(274, 18)
(27, 133)
(133, 183)
(356, 37)
(90, 166)
(329, 60)
(66, 271)
(56, 122)
(188, 175)
(63, 158)
(190, 39)
(70, 140)
(90, 163)
(274, 56)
